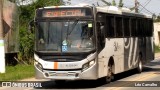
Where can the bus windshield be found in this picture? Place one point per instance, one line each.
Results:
(69, 36)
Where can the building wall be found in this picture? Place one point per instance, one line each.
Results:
(157, 33)
(10, 22)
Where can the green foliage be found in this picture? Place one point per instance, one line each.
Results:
(26, 45)
(27, 13)
(107, 3)
(113, 3)
(157, 49)
(120, 3)
(157, 19)
(12, 1)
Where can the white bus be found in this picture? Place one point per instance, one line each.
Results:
(85, 42)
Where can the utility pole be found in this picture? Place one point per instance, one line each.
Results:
(136, 6)
(2, 51)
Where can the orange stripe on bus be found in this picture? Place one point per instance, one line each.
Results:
(55, 65)
(56, 7)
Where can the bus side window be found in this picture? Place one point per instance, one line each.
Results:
(119, 29)
(101, 24)
(150, 27)
(110, 27)
(126, 24)
(101, 34)
(145, 27)
(139, 27)
(133, 27)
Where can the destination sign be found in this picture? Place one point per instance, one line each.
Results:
(65, 12)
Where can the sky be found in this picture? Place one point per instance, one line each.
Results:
(153, 6)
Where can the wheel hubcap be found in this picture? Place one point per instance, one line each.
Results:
(140, 65)
(109, 76)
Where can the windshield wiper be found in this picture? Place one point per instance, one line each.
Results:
(73, 26)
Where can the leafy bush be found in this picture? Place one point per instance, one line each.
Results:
(157, 49)
(26, 45)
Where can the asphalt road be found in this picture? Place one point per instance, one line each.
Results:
(149, 79)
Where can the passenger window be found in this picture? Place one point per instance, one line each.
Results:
(133, 27)
(110, 26)
(126, 27)
(150, 27)
(119, 29)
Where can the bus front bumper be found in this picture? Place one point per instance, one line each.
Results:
(88, 74)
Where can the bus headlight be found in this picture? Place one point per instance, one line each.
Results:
(38, 65)
(91, 62)
(36, 57)
(87, 65)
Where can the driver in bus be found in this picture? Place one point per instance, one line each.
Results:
(83, 36)
(86, 35)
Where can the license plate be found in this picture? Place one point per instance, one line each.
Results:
(61, 74)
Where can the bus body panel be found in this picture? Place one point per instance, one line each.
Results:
(70, 69)
(113, 48)
(89, 74)
(125, 52)
(149, 49)
(131, 49)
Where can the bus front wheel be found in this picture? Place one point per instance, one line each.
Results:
(109, 76)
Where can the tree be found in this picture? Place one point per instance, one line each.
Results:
(154, 16)
(120, 3)
(65, 2)
(157, 19)
(107, 3)
(113, 3)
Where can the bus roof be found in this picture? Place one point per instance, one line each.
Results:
(106, 9)
(120, 11)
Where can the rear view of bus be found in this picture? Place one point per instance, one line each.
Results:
(64, 43)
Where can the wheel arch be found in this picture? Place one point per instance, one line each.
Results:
(111, 61)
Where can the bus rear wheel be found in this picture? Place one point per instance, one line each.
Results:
(140, 65)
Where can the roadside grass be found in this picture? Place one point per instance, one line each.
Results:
(17, 72)
(157, 49)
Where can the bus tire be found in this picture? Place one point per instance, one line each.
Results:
(140, 65)
(109, 76)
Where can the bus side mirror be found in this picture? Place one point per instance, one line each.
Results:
(102, 28)
(31, 26)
